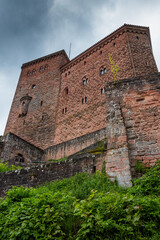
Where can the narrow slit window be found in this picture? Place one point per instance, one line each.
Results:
(102, 90)
(82, 100)
(85, 99)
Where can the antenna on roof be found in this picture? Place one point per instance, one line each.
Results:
(70, 50)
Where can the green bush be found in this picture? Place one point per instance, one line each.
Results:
(84, 207)
(4, 167)
(149, 183)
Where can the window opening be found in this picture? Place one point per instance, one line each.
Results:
(84, 62)
(82, 100)
(19, 158)
(101, 52)
(41, 69)
(114, 44)
(66, 91)
(103, 70)
(84, 82)
(46, 67)
(33, 86)
(85, 99)
(102, 90)
(94, 169)
(34, 71)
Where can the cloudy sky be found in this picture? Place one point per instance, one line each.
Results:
(34, 28)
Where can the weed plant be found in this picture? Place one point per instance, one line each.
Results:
(84, 207)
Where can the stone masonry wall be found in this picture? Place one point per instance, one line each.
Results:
(37, 175)
(13, 146)
(133, 123)
(82, 108)
(33, 112)
(74, 145)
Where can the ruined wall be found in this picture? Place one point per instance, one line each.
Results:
(36, 175)
(74, 145)
(133, 122)
(17, 150)
(33, 112)
(82, 107)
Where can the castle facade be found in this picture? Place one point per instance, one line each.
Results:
(62, 106)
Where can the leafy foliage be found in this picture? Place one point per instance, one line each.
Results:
(84, 207)
(4, 167)
(114, 68)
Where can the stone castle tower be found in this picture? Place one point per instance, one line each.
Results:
(60, 106)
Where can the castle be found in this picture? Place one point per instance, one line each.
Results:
(61, 107)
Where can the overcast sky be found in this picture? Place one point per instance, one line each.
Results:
(30, 29)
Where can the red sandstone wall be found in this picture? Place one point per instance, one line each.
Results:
(133, 122)
(130, 50)
(141, 53)
(142, 118)
(38, 126)
(56, 113)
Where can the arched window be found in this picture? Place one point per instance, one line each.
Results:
(19, 158)
(28, 73)
(33, 71)
(66, 91)
(103, 70)
(41, 69)
(46, 67)
(84, 80)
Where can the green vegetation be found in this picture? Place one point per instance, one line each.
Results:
(84, 207)
(99, 148)
(140, 167)
(114, 68)
(58, 160)
(4, 167)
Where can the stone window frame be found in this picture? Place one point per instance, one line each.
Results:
(66, 91)
(41, 69)
(64, 110)
(102, 70)
(85, 80)
(102, 90)
(84, 100)
(46, 67)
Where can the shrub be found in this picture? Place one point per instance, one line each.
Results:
(4, 167)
